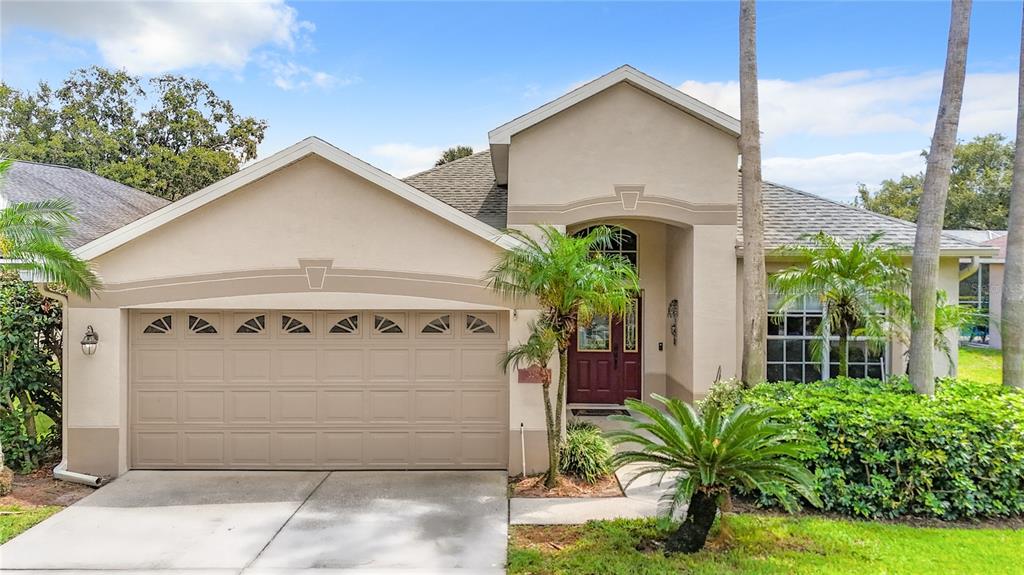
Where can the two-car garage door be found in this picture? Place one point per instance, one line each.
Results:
(278, 389)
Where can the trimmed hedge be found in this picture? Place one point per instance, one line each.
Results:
(884, 451)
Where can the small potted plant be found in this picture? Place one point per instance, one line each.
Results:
(531, 357)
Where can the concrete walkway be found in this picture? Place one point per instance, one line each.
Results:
(269, 523)
(640, 499)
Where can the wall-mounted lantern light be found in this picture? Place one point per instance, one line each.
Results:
(89, 341)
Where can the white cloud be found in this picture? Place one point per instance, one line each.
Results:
(836, 176)
(289, 75)
(866, 102)
(404, 159)
(153, 37)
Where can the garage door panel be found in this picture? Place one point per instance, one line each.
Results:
(342, 364)
(436, 406)
(250, 365)
(203, 449)
(296, 365)
(341, 406)
(156, 449)
(481, 364)
(202, 365)
(389, 364)
(250, 406)
(155, 365)
(392, 406)
(341, 448)
(295, 406)
(203, 406)
(156, 406)
(250, 449)
(295, 449)
(386, 448)
(262, 392)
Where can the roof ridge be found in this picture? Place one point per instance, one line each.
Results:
(47, 164)
(866, 211)
(446, 164)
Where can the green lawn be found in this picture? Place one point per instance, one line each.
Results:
(762, 545)
(14, 519)
(981, 364)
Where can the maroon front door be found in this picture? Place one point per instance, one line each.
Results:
(604, 362)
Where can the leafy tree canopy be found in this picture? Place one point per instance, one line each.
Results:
(169, 136)
(454, 153)
(979, 190)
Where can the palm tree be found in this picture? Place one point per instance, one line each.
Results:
(32, 236)
(712, 453)
(859, 287)
(1012, 327)
(932, 211)
(571, 282)
(755, 299)
(453, 153)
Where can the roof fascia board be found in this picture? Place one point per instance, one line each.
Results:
(271, 164)
(503, 134)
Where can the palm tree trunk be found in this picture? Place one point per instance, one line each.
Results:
(553, 415)
(932, 211)
(693, 532)
(1012, 326)
(755, 302)
(551, 477)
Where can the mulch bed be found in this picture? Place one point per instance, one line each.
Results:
(39, 488)
(533, 486)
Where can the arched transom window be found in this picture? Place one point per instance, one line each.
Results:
(623, 242)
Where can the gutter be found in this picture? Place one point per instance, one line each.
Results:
(61, 471)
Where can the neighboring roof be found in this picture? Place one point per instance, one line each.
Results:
(101, 205)
(270, 164)
(468, 185)
(790, 214)
(717, 118)
(993, 238)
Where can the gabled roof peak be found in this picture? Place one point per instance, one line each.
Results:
(625, 73)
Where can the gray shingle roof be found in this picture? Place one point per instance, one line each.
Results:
(468, 185)
(101, 205)
(790, 214)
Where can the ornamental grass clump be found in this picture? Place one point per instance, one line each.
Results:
(585, 452)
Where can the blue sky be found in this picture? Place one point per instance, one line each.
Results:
(848, 90)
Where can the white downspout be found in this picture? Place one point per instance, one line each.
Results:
(970, 269)
(61, 471)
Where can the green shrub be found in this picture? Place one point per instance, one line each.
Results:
(585, 452)
(725, 393)
(884, 451)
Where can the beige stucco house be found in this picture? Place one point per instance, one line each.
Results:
(313, 311)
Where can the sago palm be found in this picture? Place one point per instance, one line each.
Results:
(859, 287)
(571, 282)
(711, 453)
(32, 236)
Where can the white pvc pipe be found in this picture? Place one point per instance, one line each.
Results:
(61, 472)
(522, 448)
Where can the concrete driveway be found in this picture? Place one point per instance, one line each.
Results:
(276, 522)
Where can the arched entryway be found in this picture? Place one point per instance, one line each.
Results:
(606, 358)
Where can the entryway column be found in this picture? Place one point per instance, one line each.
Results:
(712, 306)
